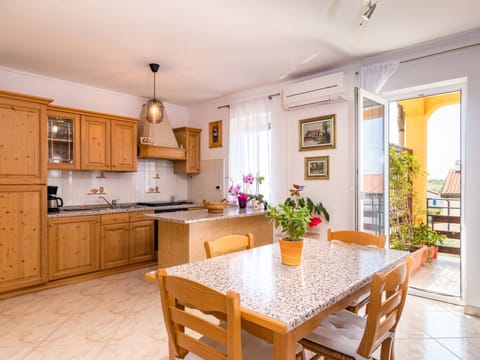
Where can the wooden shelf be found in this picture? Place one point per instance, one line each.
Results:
(160, 152)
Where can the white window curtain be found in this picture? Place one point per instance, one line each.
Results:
(250, 143)
(374, 77)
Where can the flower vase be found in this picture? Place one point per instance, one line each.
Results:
(242, 202)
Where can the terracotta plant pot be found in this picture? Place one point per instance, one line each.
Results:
(291, 252)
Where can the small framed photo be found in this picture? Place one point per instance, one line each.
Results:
(215, 134)
(317, 168)
(317, 133)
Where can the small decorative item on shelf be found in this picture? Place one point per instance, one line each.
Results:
(101, 175)
(101, 189)
(215, 206)
(294, 216)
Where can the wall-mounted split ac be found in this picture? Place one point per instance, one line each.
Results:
(325, 89)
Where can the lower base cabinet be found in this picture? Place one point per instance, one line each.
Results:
(126, 238)
(142, 241)
(73, 246)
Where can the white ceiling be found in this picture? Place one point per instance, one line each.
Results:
(211, 48)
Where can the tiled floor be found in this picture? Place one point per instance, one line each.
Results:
(119, 317)
(441, 277)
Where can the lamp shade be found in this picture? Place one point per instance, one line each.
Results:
(155, 111)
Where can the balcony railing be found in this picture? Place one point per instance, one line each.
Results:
(443, 216)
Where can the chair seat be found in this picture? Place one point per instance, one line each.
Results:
(253, 348)
(348, 331)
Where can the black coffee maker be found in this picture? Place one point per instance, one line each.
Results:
(54, 202)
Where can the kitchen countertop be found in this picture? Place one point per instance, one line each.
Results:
(188, 217)
(85, 210)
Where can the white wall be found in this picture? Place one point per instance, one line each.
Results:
(337, 193)
(126, 187)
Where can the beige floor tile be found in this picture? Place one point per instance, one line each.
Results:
(66, 352)
(421, 349)
(157, 351)
(464, 348)
(15, 352)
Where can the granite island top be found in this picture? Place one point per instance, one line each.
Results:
(188, 217)
(85, 210)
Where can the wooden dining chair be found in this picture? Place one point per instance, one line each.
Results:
(360, 238)
(345, 335)
(357, 237)
(219, 340)
(228, 244)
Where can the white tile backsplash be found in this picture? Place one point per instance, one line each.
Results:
(74, 186)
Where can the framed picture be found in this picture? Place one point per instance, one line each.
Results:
(317, 168)
(317, 133)
(215, 134)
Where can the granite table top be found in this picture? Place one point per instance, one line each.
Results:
(188, 217)
(292, 294)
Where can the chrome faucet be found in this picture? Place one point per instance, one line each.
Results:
(112, 204)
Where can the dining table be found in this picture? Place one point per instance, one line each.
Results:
(281, 303)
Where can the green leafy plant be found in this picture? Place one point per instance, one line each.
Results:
(292, 219)
(296, 213)
(424, 235)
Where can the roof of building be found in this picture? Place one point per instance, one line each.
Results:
(451, 186)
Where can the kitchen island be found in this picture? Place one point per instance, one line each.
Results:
(181, 234)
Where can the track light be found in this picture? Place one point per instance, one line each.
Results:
(368, 13)
(155, 108)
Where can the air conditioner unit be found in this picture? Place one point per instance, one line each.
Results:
(325, 89)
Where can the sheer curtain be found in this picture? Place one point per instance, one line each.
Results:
(374, 77)
(250, 143)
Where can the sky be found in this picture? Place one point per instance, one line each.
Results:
(443, 139)
(443, 147)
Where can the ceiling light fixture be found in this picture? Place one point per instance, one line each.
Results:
(368, 13)
(155, 108)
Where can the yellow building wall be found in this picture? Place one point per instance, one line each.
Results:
(417, 113)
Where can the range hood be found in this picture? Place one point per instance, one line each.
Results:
(162, 142)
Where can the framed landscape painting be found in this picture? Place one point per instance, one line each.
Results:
(317, 133)
(317, 168)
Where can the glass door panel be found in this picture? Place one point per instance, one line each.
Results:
(372, 179)
(63, 145)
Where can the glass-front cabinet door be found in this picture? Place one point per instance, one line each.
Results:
(63, 140)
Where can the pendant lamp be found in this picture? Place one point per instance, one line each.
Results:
(155, 108)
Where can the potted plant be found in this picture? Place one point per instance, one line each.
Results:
(423, 235)
(293, 217)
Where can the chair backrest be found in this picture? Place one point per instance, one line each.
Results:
(357, 237)
(179, 293)
(388, 292)
(228, 244)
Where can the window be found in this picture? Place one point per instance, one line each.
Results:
(250, 144)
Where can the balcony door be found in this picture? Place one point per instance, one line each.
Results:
(371, 165)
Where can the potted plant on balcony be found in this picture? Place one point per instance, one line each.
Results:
(424, 235)
(294, 217)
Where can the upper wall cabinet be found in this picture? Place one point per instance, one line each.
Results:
(23, 139)
(102, 142)
(63, 140)
(189, 138)
(108, 144)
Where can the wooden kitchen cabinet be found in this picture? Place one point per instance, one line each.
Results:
(189, 138)
(23, 139)
(23, 236)
(73, 246)
(123, 145)
(114, 243)
(63, 139)
(142, 241)
(95, 143)
(108, 144)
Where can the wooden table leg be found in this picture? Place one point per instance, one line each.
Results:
(284, 346)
